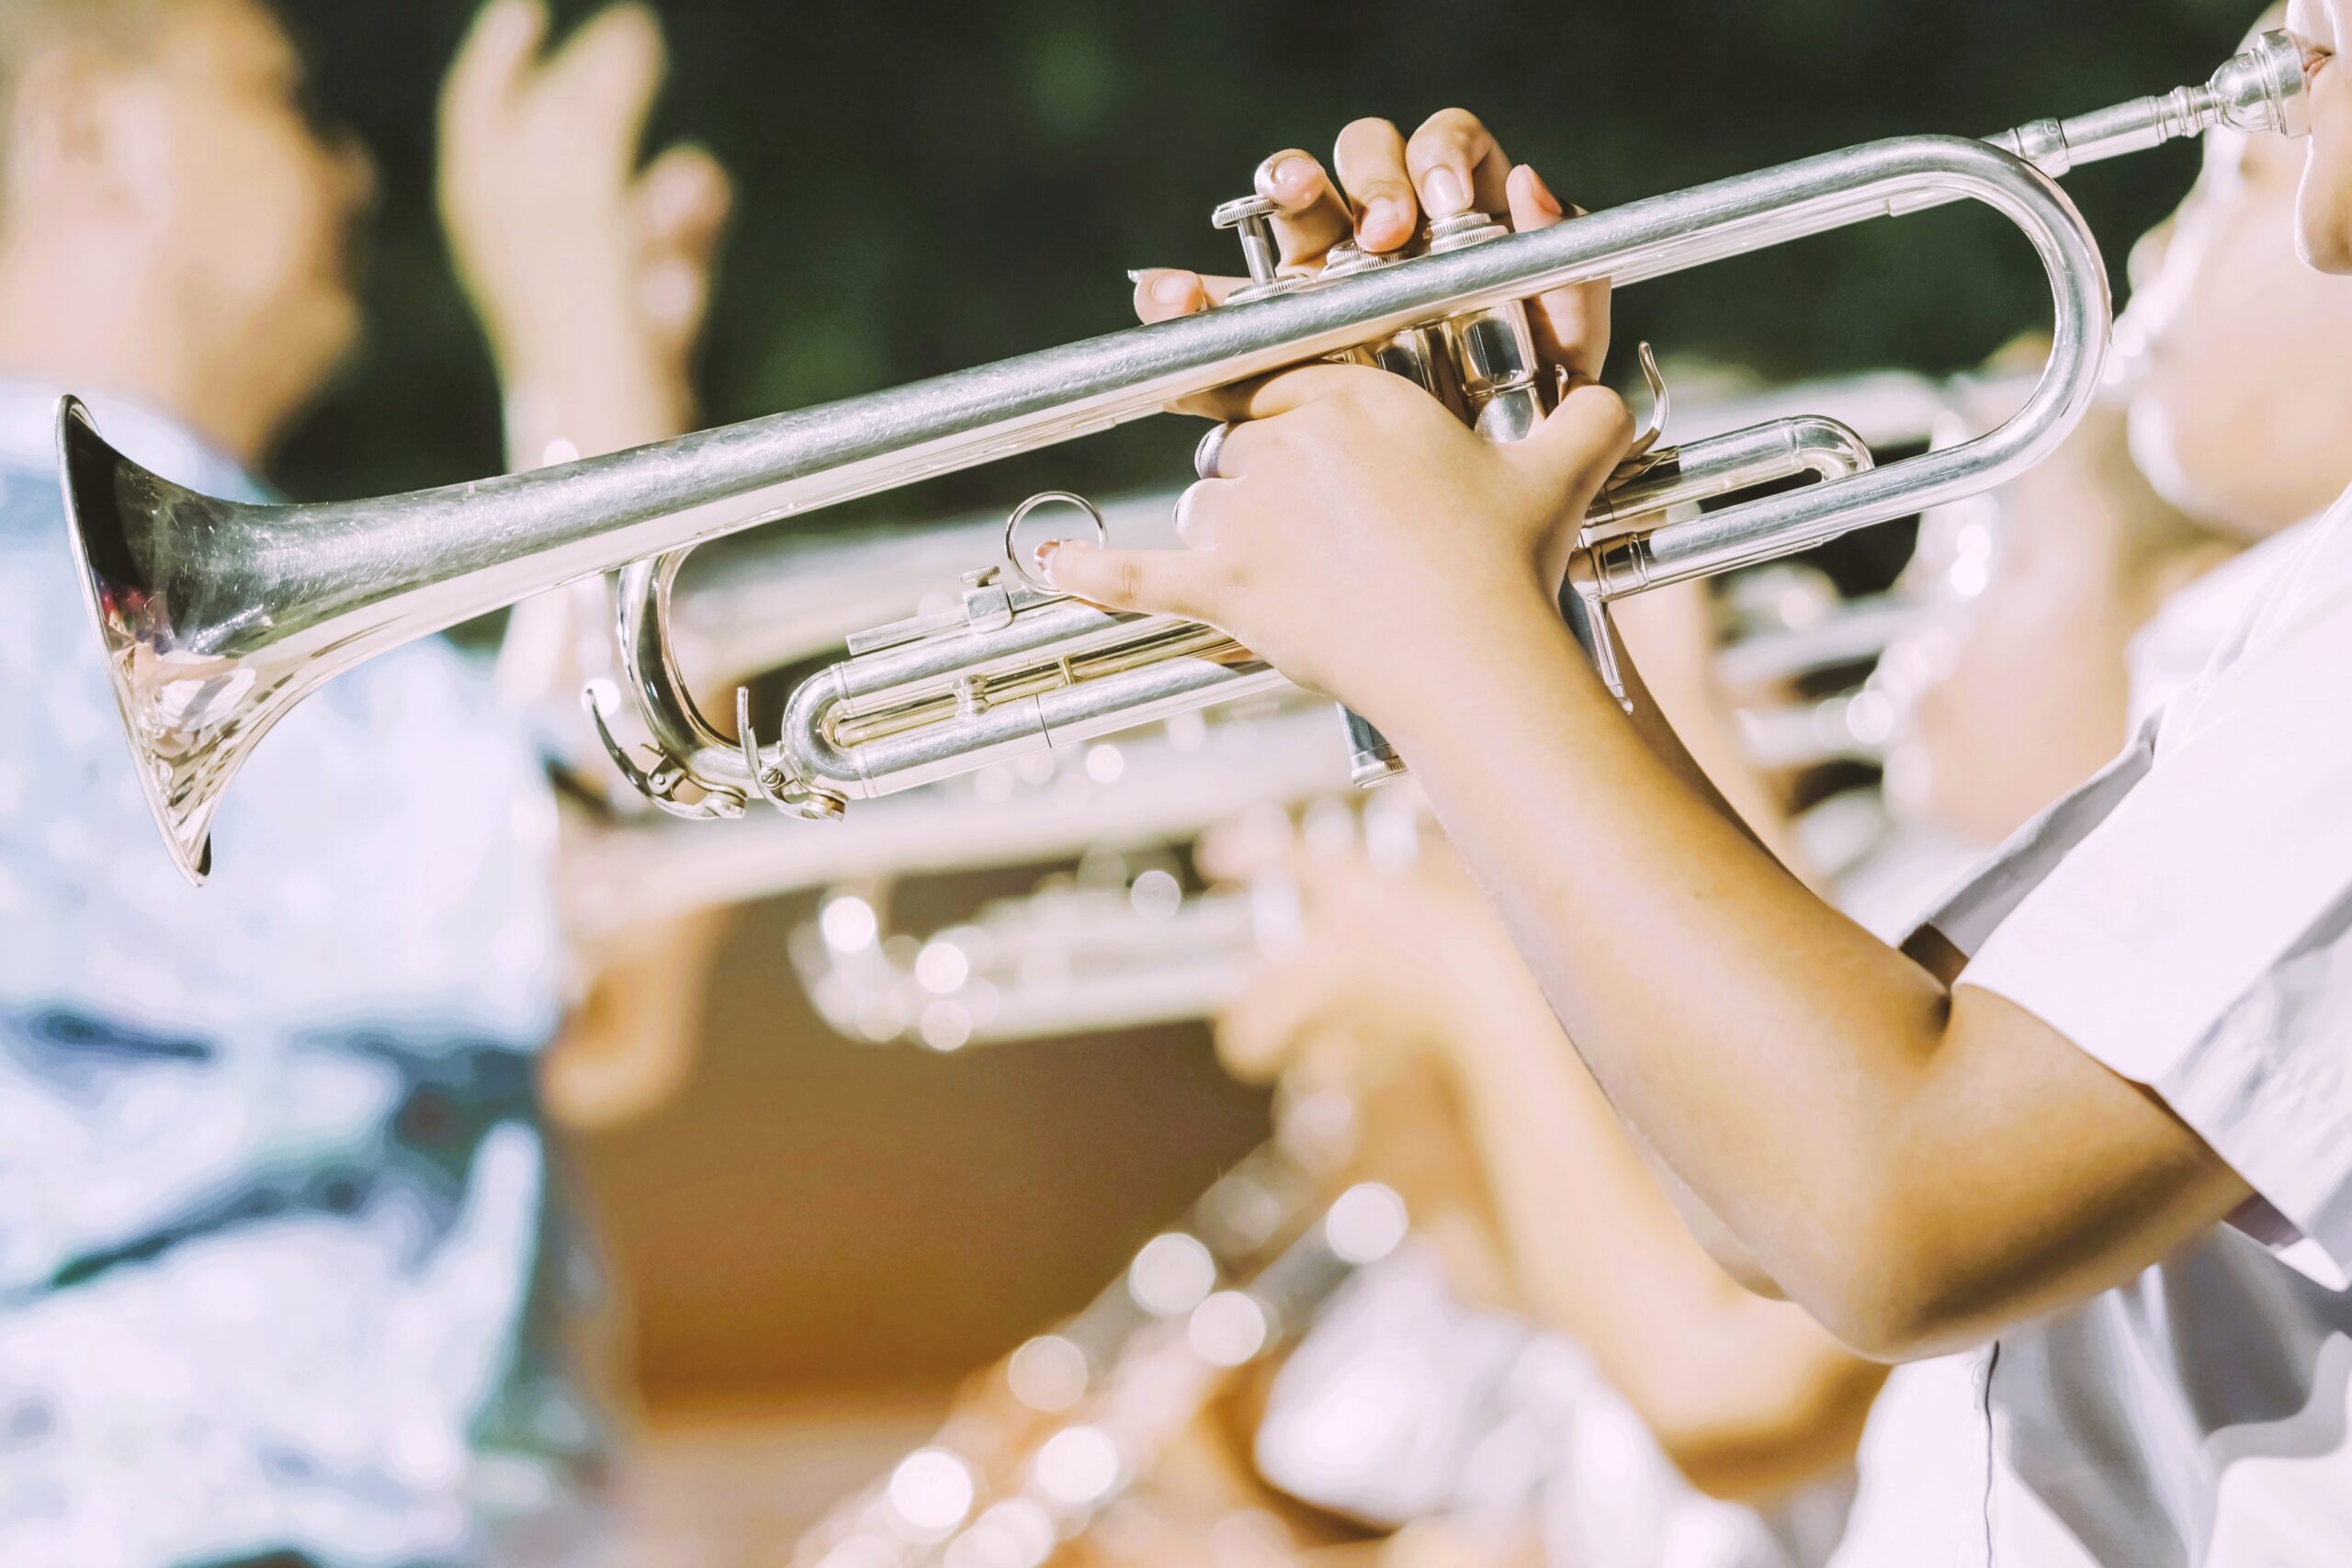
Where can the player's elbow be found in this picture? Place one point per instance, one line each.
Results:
(1897, 1327)
(1898, 1289)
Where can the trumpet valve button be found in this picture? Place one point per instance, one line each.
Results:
(1251, 218)
(1347, 259)
(1463, 229)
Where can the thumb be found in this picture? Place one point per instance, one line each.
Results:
(680, 206)
(1161, 582)
(682, 201)
(1572, 454)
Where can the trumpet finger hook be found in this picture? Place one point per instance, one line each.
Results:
(1021, 515)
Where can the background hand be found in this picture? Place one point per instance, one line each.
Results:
(1392, 965)
(591, 275)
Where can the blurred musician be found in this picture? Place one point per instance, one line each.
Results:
(1656, 1361)
(277, 1266)
(2067, 608)
(2009, 683)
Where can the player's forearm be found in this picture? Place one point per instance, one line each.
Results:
(1748, 1397)
(1765, 1044)
(1666, 646)
(1598, 1250)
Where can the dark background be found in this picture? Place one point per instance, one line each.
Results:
(927, 186)
(924, 186)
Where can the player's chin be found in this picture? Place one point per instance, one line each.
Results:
(2323, 233)
(2324, 208)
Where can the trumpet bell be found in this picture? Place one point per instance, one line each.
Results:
(197, 672)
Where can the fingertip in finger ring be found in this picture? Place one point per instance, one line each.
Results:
(1189, 530)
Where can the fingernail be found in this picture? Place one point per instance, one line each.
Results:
(1294, 177)
(1385, 214)
(1445, 193)
(1044, 556)
(1134, 274)
(1176, 288)
(1543, 193)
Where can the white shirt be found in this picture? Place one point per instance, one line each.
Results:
(2172, 650)
(2186, 919)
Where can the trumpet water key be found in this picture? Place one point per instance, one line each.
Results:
(217, 617)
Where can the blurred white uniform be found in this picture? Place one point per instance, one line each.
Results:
(280, 1259)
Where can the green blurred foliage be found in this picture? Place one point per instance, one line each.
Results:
(926, 186)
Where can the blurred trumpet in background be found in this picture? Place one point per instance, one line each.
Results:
(750, 615)
(1077, 956)
(1046, 1445)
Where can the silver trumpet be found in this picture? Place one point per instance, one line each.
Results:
(787, 598)
(1142, 788)
(1788, 622)
(217, 617)
(1119, 944)
(998, 1424)
(1852, 727)
(1094, 1405)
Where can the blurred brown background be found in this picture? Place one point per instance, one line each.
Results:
(813, 1217)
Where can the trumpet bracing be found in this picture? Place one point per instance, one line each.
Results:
(218, 616)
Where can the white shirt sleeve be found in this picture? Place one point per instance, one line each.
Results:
(2186, 918)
